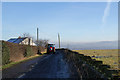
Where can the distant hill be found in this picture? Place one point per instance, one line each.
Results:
(91, 45)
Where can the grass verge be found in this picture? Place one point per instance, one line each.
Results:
(14, 63)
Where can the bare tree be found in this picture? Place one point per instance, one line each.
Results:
(42, 43)
(26, 35)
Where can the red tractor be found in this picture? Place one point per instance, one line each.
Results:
(51, 49)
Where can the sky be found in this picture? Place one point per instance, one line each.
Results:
(76, 22)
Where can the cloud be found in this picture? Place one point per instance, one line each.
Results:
(106, 11)
(106, 14)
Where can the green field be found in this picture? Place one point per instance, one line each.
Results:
(109, 57)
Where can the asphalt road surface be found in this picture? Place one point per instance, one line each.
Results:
(52, 66)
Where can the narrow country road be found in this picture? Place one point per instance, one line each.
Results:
(48, 66)
(53, 66)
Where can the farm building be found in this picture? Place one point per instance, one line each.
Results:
(22, 40)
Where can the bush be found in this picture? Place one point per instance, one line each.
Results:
(28, 51)
(5, 54)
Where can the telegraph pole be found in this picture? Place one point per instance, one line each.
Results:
(39, 52)
(59, 40)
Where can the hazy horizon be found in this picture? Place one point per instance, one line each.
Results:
(90, 45)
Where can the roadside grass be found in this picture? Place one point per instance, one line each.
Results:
(25, 59)
(14, 63)
(45, 51)
(109, 57)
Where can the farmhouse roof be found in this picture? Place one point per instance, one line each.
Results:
(16, 40)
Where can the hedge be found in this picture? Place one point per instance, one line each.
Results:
(5, 54)
(28, 51)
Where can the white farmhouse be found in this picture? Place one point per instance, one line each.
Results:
(22, 40)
